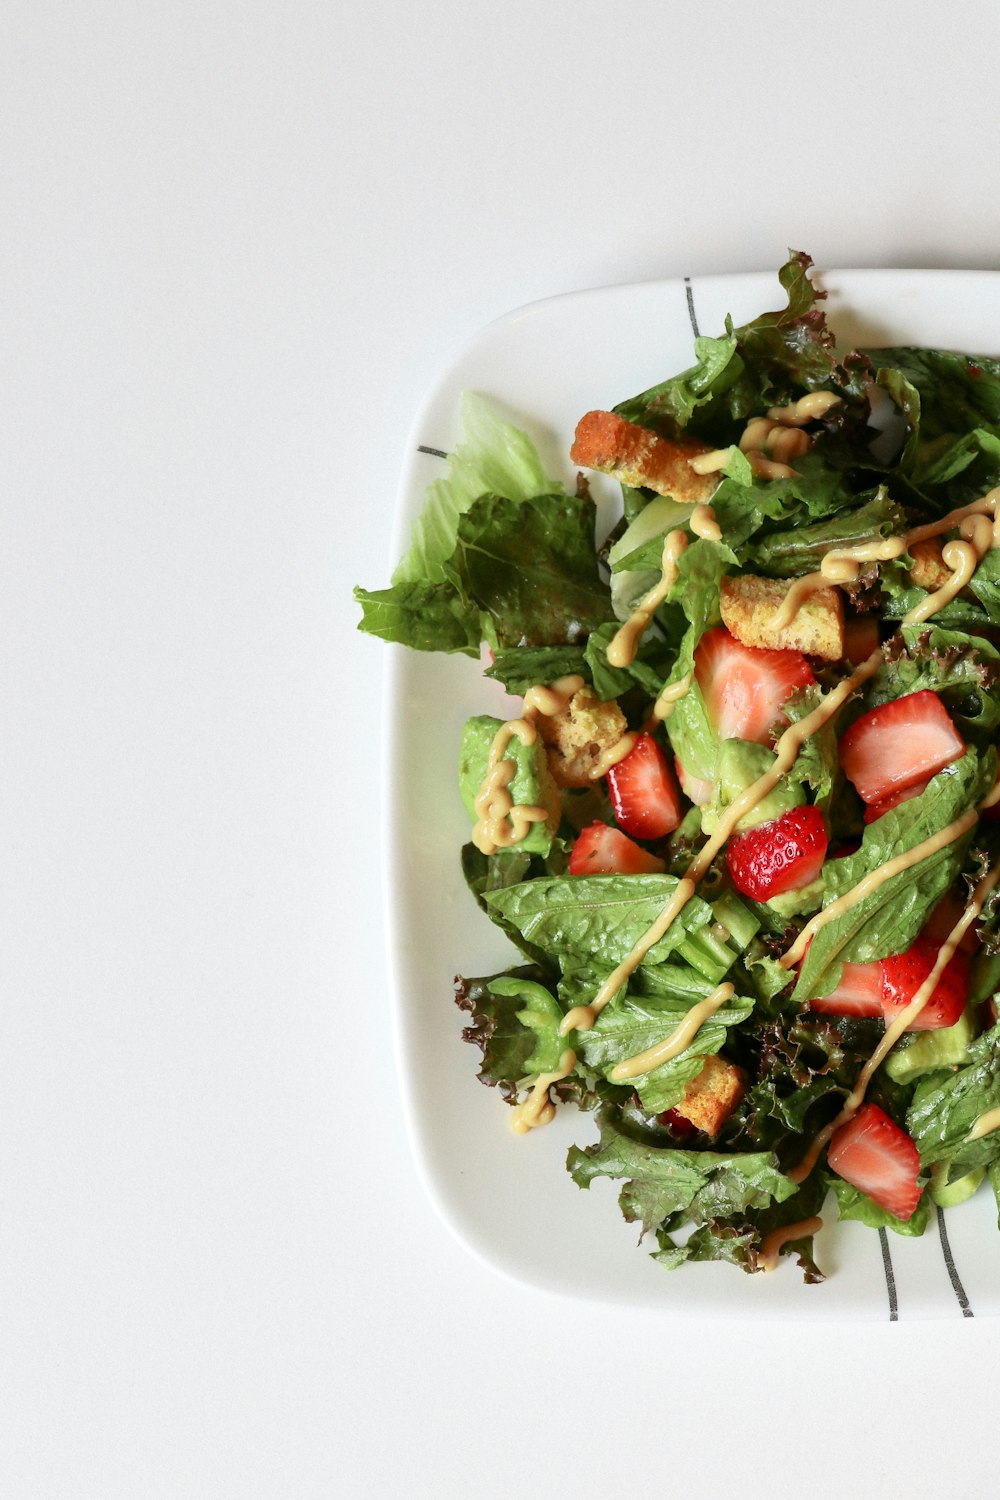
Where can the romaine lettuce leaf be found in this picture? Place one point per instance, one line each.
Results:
(600, 917)
(945, 1109)
(492, 458)
(631, 1024)
(424, 616)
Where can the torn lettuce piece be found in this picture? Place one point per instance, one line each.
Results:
(631, 1025)
(508, 1045)
(766, 362)
(494, 458)
(800, 549)
(530, 567)
(598, 919)
(423, 616)
(946, 1106)
(663, 1181)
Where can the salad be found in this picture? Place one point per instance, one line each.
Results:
(741, 824)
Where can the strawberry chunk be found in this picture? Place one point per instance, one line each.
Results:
(601, 850)
(677, 1123)
(874, 1154)
(644, 795)
(861, 638)
(899, 744)
(781, 855)
(744, 688)
(874, 810)
(859, 993)
(904, 973)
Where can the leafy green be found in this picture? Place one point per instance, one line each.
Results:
(852, 1203)
(947, 398)
(945, 1108)
(766, 362)
(630, 1025)
(531, 569)
(424, 616)
(662, 1181)
(523, 666)
(800, 549)
(493, 458)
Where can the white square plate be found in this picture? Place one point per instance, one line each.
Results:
(509, 1198)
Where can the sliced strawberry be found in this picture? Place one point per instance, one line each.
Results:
(859, 993)
(643, 792)
(874, 1154)
(783, 854)
(944, 918)
(677, 1123)
(899, 744)
(744, 688)
(694, 788)
(600, 850)
(904, 973)
(874, 810)
(861, 638)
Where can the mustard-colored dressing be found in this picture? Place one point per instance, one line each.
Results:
(674, 1044)
(499, 823)
(985, 1125)
(538, 1108)
(772, 1244)
(625, 642)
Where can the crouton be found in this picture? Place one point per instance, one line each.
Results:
(638, 457)
(750, 606)
(710, 1098)
(929, 569)
(577, 738)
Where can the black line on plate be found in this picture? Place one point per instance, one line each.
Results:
(890, 1277)
(434, 452)
(953, 1276)
(691, 312)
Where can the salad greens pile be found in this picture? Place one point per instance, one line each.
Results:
(505, 558)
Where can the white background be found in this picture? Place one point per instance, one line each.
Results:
(237, 242)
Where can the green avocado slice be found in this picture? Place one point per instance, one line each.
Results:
(532, 784)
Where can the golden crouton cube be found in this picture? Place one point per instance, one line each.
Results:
(710, 1098)
(929, 569)
(577, 738)
(750, 607)
(641, 458)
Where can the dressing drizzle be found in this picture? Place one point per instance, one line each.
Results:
(674, 1044)
(499, 823)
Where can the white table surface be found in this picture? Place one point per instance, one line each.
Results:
(236, 243)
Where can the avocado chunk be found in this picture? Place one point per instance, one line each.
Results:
(949, 1194)
(808, 898)
(532, 784)
(740, 763)
(922, 1051)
